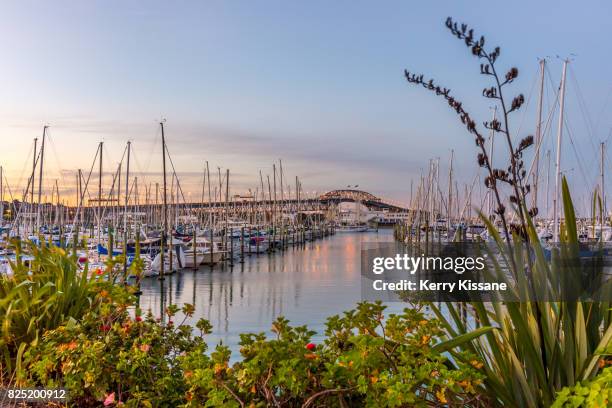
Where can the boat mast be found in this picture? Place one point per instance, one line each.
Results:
(538, 134)
(602, 207)
(80, 198)
(449, 209)
(227, 174)
(210, 220)
(274, 209)
(57, 208)
(125, 207)
(34, 158)
(100, 194)
(282, 194)
(558, 161)
(202, 200)
(297, 200)
(40, 177)
(547, 182)
(165, 201)
(263, 195)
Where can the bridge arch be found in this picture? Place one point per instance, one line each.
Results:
(348, 195)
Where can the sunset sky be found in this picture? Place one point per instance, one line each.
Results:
(317, 84)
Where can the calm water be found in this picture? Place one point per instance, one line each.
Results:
(306, 285)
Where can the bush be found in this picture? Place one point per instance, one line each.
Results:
(592, 394)
(364, 361)
(40, 296)
(112, 358)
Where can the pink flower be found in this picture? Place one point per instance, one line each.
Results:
(110, 399)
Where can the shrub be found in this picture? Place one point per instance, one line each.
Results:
(366, 360)
(592, 394)
(42, 295)
(111, 356)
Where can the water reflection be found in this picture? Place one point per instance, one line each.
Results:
(306, 285)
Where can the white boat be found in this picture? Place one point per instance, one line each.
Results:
(211, 252)
(352, 228)
(178, 261)
(189, 256)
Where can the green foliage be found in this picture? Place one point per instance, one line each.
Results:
(42, 295)
(109, 353)
(537, 347)
(590, 394)
(365, 360)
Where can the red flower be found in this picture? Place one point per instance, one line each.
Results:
(105, 327)
(311, 346)
(138, 319)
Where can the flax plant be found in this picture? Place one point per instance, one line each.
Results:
(42, 294)
(534, 348)
(575, 334)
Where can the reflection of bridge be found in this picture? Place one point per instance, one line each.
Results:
(367, 199)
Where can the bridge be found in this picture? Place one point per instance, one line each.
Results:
(365, 198)
(240, 205)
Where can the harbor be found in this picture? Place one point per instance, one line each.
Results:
(304, 283)
(305, 205)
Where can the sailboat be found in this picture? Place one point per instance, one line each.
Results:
(178, 258)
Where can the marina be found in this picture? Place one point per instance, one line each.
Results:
(305, 284)
(315, 205)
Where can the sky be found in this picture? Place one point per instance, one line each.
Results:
(318, 84)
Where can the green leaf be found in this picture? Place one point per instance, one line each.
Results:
(461, 339)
